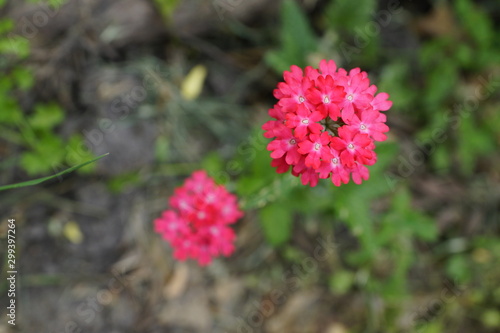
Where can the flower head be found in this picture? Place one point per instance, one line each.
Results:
(326, 123)
(196, 226)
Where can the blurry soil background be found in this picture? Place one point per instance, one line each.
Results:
(169, 87)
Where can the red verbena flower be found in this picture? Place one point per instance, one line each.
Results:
(304, 121)
(327, 96)
(315, 149)
(196, 226)
(352, 146)
(326, 123)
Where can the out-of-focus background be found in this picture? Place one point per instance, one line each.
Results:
(168, 87)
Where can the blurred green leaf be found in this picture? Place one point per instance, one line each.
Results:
(34, 164)
(167, 8)
(441, 82)
(341, 281)
(15, 45)
(161, 148)
(475, 22)
(46, 155)
(23, 77)
(296, 37)
(11, 112)
(46, 116)
(276, 222)
(6, 24)
(465, 55)
(472, 143)
(118, 183)
(430, 53)
(491, 318)
(348, 14)
(431, 327)
(458, 268)
(395, 79)
(57, 3)
(405, 218)
(441, 159)
(76, 152)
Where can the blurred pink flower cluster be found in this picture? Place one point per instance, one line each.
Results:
(325, 124)
(197, 224)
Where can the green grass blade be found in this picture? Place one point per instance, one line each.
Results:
(41, 180)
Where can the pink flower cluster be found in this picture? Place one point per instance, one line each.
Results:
(326, 122)
(197, 224)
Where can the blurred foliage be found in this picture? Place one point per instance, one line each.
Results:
(445, 89)
(296, 37)
(34, 130)
(166, 7)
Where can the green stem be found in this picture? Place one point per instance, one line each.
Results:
(41, 180)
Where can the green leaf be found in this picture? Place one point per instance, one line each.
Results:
(341, 281)
(428, 51)
(465, 55)
(46, 116)
(458, 268)
(430, 327)
(297, 39)
(23, 78)
(11, 112)
(410, 219)
(491, 318)
(473, 142)
(441, 82)
(118, 183)
(475, 22)
(276, 221)
(395, 78)
(41, 180)
(47, 154)
(6, 25)
(167, 7)
(441, 159)
(76, 155)
(348, 14)
(34, 164)
(162, 148)
(15, 45)
(57, 3)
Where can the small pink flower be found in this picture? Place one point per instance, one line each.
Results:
(328, 68)
(335, 169)
(304, 121)
(356, 95)
(307, 174)
(359, 173)
(292, 92)
(272, 127)
(326, 96)
(280, 165)
(380, 102)
(286, 143)
(369, 123)
(197, 224)
(352, 146)
(170, 230)
(315, 148)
